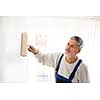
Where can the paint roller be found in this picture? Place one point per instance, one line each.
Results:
(24, 44)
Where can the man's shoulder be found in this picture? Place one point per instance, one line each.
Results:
(83, 66)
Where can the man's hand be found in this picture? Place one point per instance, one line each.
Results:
(33, 49)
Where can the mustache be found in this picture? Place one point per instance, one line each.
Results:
(66, 50)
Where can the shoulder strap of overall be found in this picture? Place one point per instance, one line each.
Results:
(58, 65)
(75, 69)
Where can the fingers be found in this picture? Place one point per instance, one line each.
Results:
(30, 48)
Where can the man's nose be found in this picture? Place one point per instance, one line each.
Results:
(67, 47)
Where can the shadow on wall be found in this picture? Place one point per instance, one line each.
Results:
(2, 55)
(1, 70)
(2, 51)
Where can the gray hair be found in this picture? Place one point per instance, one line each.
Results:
(78, 40)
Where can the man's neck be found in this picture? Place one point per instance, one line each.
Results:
(71, 60)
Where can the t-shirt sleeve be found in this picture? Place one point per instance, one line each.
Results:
(83, 74)
(48, 59)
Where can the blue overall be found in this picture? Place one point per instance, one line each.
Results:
(61, 79)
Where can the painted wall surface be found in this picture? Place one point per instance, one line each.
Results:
(49, 34)
(13, 67)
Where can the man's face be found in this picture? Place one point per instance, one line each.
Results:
(72, 48)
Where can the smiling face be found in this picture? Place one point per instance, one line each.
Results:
(72, 48)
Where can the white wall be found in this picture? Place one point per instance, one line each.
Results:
(14, 66)
(53, 34)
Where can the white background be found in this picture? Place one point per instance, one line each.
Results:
(30, 90)
(49, 34)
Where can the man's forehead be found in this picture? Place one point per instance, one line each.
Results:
(72, 41)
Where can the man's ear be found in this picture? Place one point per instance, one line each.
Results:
(78, 51)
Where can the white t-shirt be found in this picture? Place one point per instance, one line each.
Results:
(65, 68)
